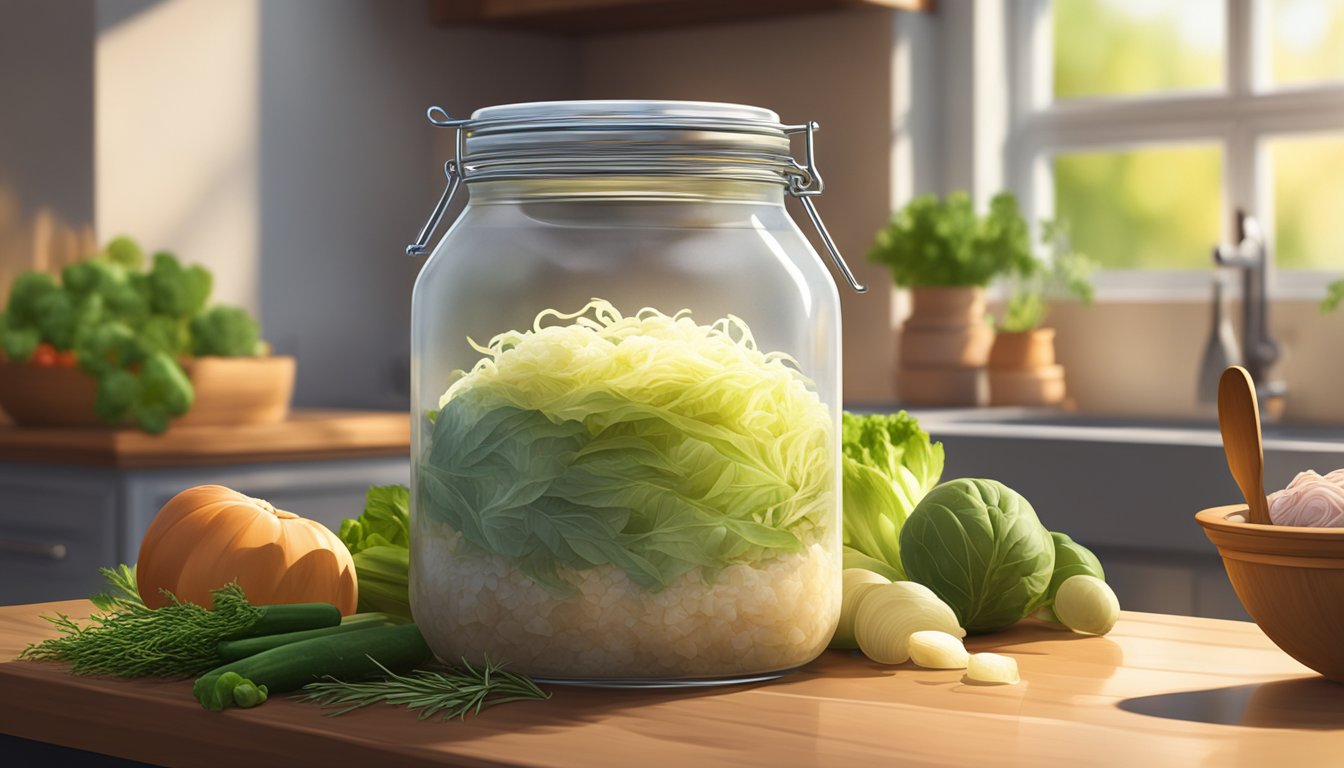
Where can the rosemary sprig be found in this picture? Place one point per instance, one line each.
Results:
(456, 692)
(131, 640)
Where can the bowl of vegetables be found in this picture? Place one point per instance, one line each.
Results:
(1290, 579)
(111, 343)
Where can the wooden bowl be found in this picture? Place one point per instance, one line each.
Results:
(1291, 581)
(229, 390)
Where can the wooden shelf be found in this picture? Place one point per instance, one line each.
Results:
(304, 436)
(590, 17)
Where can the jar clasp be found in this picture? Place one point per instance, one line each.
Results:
(807, 183)
(452, 170)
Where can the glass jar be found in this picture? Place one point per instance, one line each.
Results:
(625, 399)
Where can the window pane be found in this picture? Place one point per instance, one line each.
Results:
(1130, 47)
(1148, 208)
(1308, 178)
(1308, 41)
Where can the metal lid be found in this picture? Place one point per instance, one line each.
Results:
(562, 139)
(556, 139)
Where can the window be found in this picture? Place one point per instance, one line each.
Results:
(1146, 124)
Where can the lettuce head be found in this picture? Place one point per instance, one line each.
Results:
(889, 465)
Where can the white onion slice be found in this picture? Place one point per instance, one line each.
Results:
(858, 582)
(992, 668)
(932, 649)
(890, 613)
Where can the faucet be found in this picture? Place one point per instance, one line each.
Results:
(1258, 350)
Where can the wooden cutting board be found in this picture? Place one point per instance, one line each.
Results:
(1158, 691)
(303, 436)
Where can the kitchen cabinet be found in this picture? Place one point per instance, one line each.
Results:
(74, 500)
(1157, 691)
(586, 17)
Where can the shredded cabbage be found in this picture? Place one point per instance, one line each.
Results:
(649, 443)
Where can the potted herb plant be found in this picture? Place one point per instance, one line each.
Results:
(1022, 366)
(946, 254)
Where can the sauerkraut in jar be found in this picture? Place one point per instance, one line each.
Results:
(640, 488)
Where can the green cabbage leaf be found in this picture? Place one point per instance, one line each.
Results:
(649, 443)
(386, 520)
(379, 544)
(889, 463)
(980, 547)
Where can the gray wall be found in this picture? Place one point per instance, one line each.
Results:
(350, 169)
(46, 125)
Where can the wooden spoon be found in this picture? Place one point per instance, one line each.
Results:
(1239, 420)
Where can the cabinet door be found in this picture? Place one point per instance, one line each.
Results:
(53, 538)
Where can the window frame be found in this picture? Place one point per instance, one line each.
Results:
(1240, 117)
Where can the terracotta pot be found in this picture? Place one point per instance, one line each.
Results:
(229, 390)
(944, 346)
(939, 386)
(1034, 386)
(1023, 350)
(946, 307)
(964, 347)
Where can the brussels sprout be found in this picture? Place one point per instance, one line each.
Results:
(1087, 605)
(980, 547)
(1071, 559)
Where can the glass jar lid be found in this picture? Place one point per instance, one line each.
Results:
(636, 138)
(563, 139)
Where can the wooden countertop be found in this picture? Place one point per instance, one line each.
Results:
(1159, 690)
(304, 436)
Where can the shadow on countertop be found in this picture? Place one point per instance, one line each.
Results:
(1303, 703)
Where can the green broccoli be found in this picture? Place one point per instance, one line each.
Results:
(21, 334)
(24, 295)
(151, 397)
(125, 295)
(126, 252)
(17, 343)
(224, 331)
(127, 328)
(176, 291)
(84, 278)
(109, 347)
(90, 314)
(169, 335)
(165, 392)
(118, 390)
(56, 318)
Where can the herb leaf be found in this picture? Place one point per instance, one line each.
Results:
(456, 692)
(131, 640)
(123, 592)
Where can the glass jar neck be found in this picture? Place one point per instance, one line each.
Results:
(627, 188)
